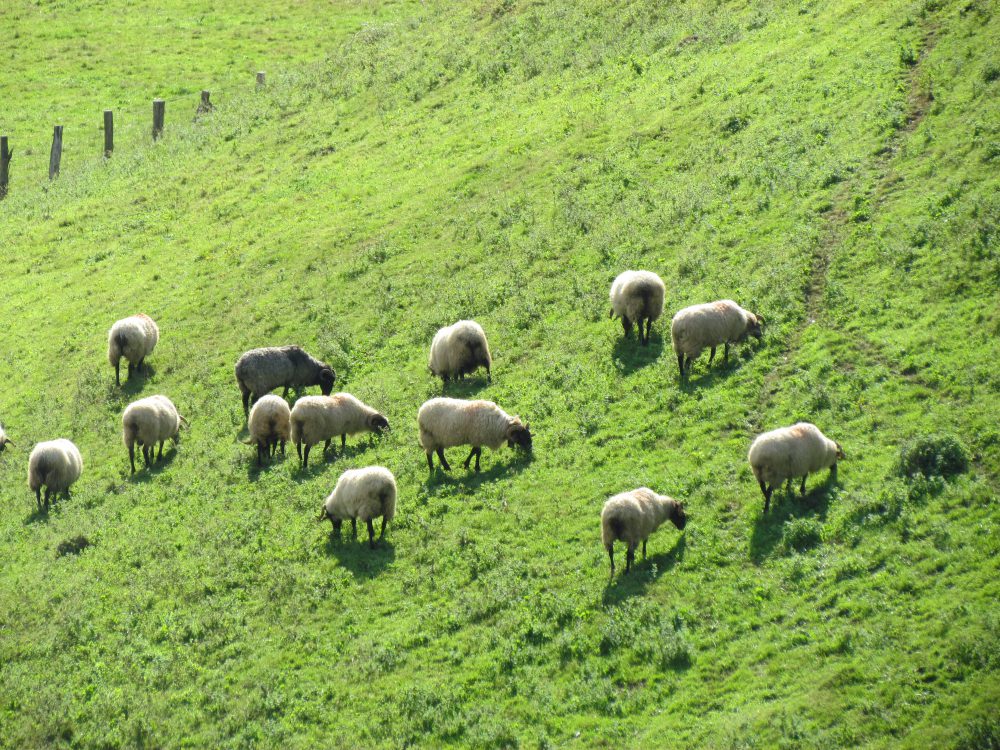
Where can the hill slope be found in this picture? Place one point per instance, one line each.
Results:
(831, 166)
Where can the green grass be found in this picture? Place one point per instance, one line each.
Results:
(831, 166)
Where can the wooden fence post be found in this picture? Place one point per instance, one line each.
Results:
(56, 154)
(159, 107)
(260, 79)
(5, 154)
(206, 105)
(109, 133)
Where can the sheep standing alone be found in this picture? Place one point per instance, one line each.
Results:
(632, 516)
(458, 350)
(260, 371)
(362, 494)
(269, 424)
(54, 465)
(637, 296)
(133, 338)
(147, 422)
(447, 422)
(701, 327)
(4, 440)
(320, 418)
(789, 452)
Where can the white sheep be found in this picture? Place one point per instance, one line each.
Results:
(705, 326)
(362, 494)
(4, 440)
(133, 338)
(637, 296)
(320, 418)
(54, 465)
(147, 422)
(632, 516)
(269, 424)
(789, 452)
(458, 350)
(447, 422)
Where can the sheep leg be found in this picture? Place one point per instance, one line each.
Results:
(627, 325)
(326, 446)
(430, 460)
(382, 532)
(725, 353)
(649, 328)
(131, 368)
(259, 451)
(246, 403)
(160, 454)
(118, 373)
(680, 364)
(611, 556)
(802, 487)
(354, 528)
(643, 549)
(38, 498)
(305, 457)
(336, 526)
(711, 356)
(298, 449)
(629, 557)
(444, 461)
(479, 452)
(282, 447)
(767, 495)
(489, 375)
(131, 457)
(343, 442)
(471, 454)
(284, 393)
(371, 535)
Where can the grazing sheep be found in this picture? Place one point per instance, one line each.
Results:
(269, 424)
(4, 440)
(447, 422)
(147, 422)
(458, 350)
(637, 296)
(133, 338)
(54, 465)
(700, 327)
(632, 516)
(260, 371)
(320, 418)
(789, 452)
(362, 494)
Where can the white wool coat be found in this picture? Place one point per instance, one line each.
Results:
(447, 422)
(789, 452)
(700, 327)
(363, 494)
(54, 464)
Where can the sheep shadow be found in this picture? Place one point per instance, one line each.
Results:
(768, 531)
(355, 555)
(145, 473)
(320, 461)
(624, 586)
(133, 386)
(629, 355)
(464, 387)
(470, 479)
(37, 515)
(254, 471)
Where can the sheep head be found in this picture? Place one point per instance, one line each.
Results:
(327, 377)
(840, 452)
(519, 435)
(679, 517)
(377, 423)
(755, 325)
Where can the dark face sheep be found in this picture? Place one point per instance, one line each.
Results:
(378, 424)
(755, 328)
(3, 444)
(680, 518)
(327, 377)
(840, 452)
(519, 435)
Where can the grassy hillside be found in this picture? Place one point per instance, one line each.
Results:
(832, 166)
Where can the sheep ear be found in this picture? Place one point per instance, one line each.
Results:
(760, 319)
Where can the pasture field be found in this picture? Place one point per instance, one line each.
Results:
(834, 166)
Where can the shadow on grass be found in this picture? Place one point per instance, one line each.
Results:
(464, 387)
(626, 585)
(320, 460)
(37, 515)
(133, 386)
(145, 473)
(470, 478)
(254, 471)
(355, 555)
(769, 529)
(629, 355)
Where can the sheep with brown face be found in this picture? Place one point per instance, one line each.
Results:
(447, 422)
(632, 516)
(458, 350)
(791, 452)
(133, 338)
(706, 326)
(260, 371)
(637, 297)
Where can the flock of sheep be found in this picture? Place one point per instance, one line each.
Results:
(369, 493)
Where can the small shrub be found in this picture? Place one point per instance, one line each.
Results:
(735, 124)
(991, 72)
(933, 455)
(801, 534)
(73, 546)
